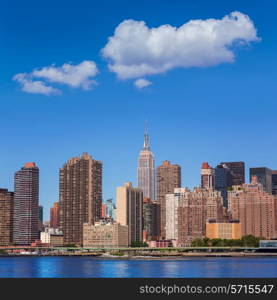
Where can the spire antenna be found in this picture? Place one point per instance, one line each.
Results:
(146, 137)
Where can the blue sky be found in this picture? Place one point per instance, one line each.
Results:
(222, 112)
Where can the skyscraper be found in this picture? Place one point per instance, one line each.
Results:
(129, 201)
(188, 211)
(26, 204)
(80, 196)
(146, 169)
(237, 169)
(40, 217)
(207, 176)
(110, 209)
(55, 215)
(168, 178)
(6, 217)
(274, 182)
(264, 176)
(151, 219)
(223, 180)
(254, 208)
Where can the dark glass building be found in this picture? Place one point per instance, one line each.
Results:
(264, 176)
(237, 169)
(151, 219)
(26, 205)
(223, 180)
(274, 182)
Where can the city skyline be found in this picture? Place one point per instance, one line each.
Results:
(221, 112)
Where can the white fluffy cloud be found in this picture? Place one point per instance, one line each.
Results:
(34, 86)
(136, 50)
(75, 76)
(142, 83)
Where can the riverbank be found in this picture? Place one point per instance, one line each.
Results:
(165, 256)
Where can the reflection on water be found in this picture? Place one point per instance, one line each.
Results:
(90, 267)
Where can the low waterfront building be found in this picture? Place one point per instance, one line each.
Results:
(160, 244)
(268, 244)
(105, 235)
(231, 230)
(52, 237)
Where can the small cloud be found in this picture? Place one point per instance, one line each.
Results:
(35, 86)
(142, 83)
(75, 76)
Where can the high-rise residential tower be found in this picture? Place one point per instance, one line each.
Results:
(6, 217)
(26, 205)
(129, 201)
(80, 196)
(188, 211)
(254, 208)
(237, 169)
(264, 176)
(146, 170)
(55, 215)
(207, 176)
(168, 178)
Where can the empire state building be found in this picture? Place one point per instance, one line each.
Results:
(146, 169)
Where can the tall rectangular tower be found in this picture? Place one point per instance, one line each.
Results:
(274, 182)
(26, 205)
(146, 170)
(80, 196)
(55, 215)
(6, 217)
(237, 169)
(254, 208)
(168, 178)
(264, 176)
(129, 201)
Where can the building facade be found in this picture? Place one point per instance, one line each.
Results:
(129, 201)
(254, 208)
(110, 209)
(80, 196)
(237, 169)
(194, 210)
(274, 182)
(40, 217)
(264, 176)
(231, 230)
(146, 170)
(151, 219)
(110, 235)
(207, 176)
(55, 215)
(26, 205)
(223, 181)
(168, 178)
(6, 217)
(188, 211)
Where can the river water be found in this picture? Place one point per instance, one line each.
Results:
(78, 267)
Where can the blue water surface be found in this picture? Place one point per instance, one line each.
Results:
(80, 267)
